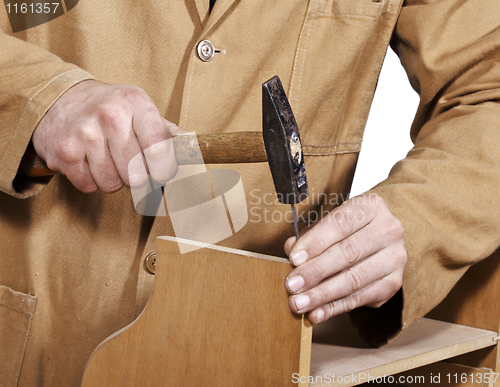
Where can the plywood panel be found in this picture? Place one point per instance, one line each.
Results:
(217, 317)
(448, 374)
(474, 302)
(337, 350)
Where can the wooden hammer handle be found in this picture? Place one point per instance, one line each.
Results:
(225, 148)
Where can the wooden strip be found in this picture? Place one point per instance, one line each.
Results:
(230, 250)
(305, 352)
(497, 360)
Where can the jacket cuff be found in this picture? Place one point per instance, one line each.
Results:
(12, 180)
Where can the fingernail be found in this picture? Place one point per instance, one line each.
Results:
(299, 257)
(318, 316)
(289, 240)
(301, 302)
(295, 283)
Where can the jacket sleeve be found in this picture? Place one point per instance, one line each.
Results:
(31, 80)
(446, 192)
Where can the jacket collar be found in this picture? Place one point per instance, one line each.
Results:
(208, 20)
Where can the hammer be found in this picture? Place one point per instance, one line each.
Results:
(278, 143)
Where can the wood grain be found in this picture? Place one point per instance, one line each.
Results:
(224, 148)
(447, 374)
(338, 350)
(475, 302)
(217, 317)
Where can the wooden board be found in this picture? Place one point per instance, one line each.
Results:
(449, 374)
(474, 302)
(217, 317)
(337, 350)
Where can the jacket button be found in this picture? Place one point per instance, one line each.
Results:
(206, 50)
(150, 262)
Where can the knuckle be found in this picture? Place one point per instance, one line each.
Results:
(395, 284)
(321, 241)
(315, 269)
(68, 154)
(402, 255)
(319, 295)
(352, 301)
(135, 95)
(90, 136)
(343, 222)
(392, 285)
(378, 201)
(110, 115)
(393, 226)
(344, 304)
(353, 279)
(332, 309)
(399, 229)
(350, 251)
(398, 255)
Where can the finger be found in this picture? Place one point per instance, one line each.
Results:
(290, 242)
(79, 175)
(364, 243)
(373, 295)
(348, 282)
(137, 171)
(103, 169)
(156, 143)
(128, 158)
(336, 226)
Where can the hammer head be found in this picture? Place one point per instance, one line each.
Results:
(283, 145)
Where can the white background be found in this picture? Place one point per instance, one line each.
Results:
(387, 135)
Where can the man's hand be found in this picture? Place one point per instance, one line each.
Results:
(354, 256)
(94, 130)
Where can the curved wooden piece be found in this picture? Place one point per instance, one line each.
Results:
(217, 317)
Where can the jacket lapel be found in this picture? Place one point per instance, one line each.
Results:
(220, 8)
(202, 6)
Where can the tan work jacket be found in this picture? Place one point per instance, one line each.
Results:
(71, 265)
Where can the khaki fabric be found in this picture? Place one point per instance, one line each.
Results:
(81, 256)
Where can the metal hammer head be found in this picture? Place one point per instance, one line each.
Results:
(283, 145)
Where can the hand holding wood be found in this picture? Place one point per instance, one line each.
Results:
(354, 256)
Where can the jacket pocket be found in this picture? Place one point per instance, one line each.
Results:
(16, 311)
(332, 70)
